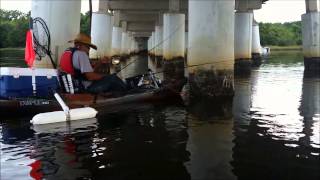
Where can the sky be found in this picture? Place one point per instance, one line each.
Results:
(25, 5)
(272, 11)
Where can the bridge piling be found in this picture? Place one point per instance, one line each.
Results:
(243, 42)
(101, 35)
(256, 46)
(173, 48)
(158, 43)
(311, 38)
(211, 49)
(62, 27)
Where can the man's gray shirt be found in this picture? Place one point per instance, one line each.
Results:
(81, 62)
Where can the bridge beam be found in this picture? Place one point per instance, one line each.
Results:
(151, 5)
(141, 26)
(312, 5)
(145, 34)
(244, 5)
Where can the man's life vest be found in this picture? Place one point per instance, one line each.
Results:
(66, 63)
(66, 67)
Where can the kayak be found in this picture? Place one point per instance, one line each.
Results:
(103, 103)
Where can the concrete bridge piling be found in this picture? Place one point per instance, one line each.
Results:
(62, 27)
(311, 37)
(243, 41)
(101, 35)
(158, 43)
(256, 46)
(173, 46)
(211, 48)
(116, 41)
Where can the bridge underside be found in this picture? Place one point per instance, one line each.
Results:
(143, 15)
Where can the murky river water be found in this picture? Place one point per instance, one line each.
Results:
(271, 132)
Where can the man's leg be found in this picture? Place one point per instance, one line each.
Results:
(107, 84)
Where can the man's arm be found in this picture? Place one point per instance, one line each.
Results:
(92, 76)
(82, 62)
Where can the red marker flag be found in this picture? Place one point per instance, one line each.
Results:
(29, 54)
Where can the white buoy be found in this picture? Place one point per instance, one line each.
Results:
(60, 116)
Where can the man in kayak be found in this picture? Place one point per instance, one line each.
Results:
(75, 61)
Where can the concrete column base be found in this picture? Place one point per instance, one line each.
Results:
(256, 59)
(242, 67)
(312, 66)
(158, 58)
(173, 73)
(124, 57)
(211, 84)
(152, 57)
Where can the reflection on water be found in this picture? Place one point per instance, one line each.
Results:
(310, 111)
(270, 131)
(279, 137)
(210, 141)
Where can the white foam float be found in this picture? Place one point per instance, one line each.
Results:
(83, 125)
(66, 114)
(60, 116)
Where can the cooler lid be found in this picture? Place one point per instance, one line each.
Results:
(13, 71)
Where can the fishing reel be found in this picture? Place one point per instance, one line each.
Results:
(149, 80)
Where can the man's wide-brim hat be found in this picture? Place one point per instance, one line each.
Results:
(84, 39)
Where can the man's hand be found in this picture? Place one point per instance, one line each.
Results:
(102, 65)
(105, 60)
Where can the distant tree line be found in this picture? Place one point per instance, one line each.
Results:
(278, 34)
(14, 24)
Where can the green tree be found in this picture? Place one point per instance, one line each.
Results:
(281, 34)
(13, 26)
(84, 23)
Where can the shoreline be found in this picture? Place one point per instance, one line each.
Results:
(12, 48)
(287, 48)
